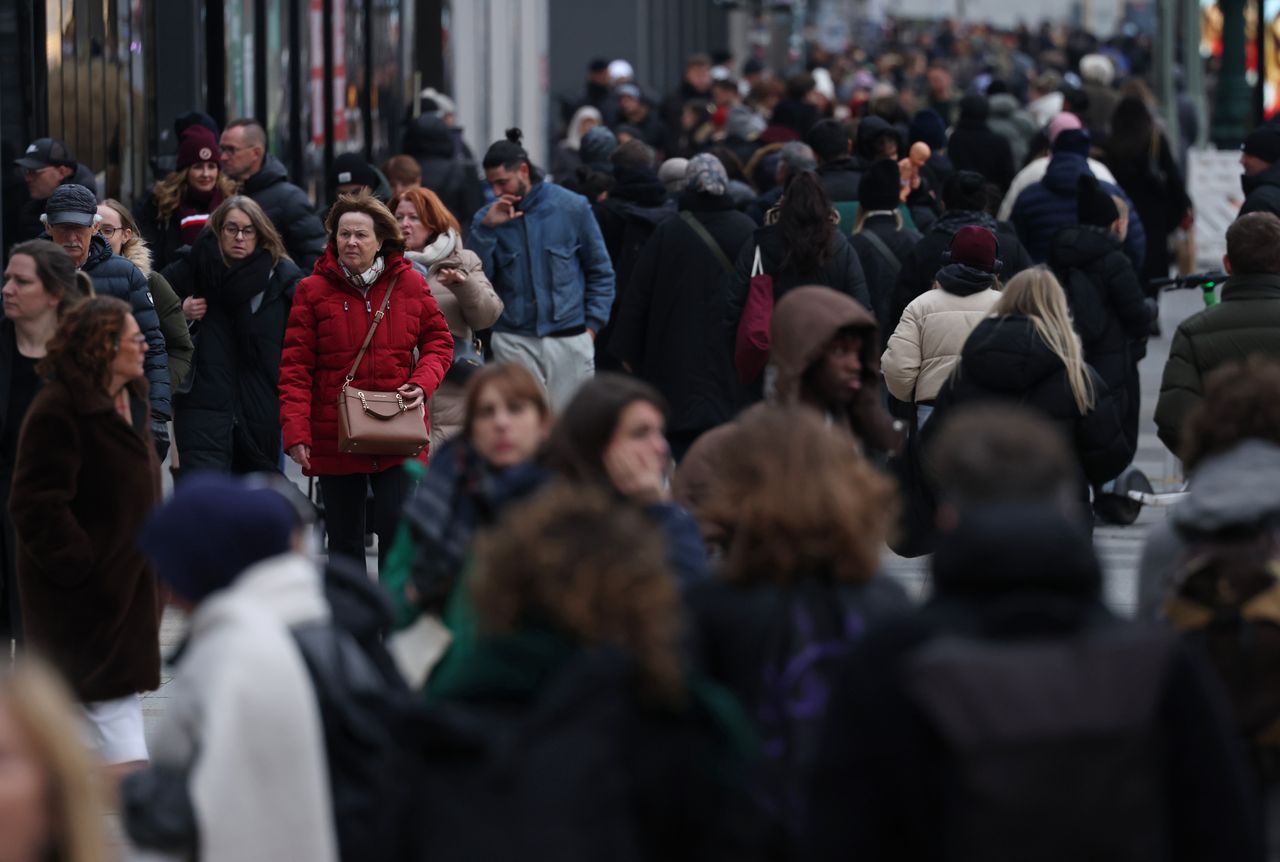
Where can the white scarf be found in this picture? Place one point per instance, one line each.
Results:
(444, 245)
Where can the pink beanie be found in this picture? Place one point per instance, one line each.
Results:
(1062, 122)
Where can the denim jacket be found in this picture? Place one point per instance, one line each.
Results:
(550, 267)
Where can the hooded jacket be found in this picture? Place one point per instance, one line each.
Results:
(467, 306)
(1033, 172)
(82, 487)
(328, 322)
(1007, 578)
(290, 210)
(114, 276)
(229, 416)
(1050, 205)
(1005, 360)
(1246, 321)
(1008, 120)
(453, 177)
(926, 345)
(1234, 490)
(550, 266)
(1261, 191)
(841, 177)
(173, 323)
(921, 266)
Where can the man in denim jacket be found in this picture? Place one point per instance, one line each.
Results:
(543, 251)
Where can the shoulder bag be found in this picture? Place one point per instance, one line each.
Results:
(751, 347)
(378, 423)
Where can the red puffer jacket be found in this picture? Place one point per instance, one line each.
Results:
(327, 324)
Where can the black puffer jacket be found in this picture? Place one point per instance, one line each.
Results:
(290, 210)
(840, 179)
(880, 273)
(451, 175)
(229, 419)
(1262, 191)
(924, 261)
(669, 327)
(842, 272)
(114, 276)
(1108, 308)
(1017, 583)
(1006, 360)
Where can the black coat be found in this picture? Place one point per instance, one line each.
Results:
(924, 261)
(1005, 360)
(229, 419)
(115, 276)
(888, 786)
(451, 174)
(1108, 308)
(163, 239)
(974, 147)
(842, 272)
(670, 326)
(841, 178)
(881, 277)
(1262, 191)
(290, 210)
(1158, 193)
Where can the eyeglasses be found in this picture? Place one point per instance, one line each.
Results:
(230, 231)
(108, 231)
(229, 150)
(35, 172)
(139, 341)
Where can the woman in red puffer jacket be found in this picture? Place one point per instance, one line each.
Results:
(331, 315)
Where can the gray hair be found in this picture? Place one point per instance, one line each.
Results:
(798, 157)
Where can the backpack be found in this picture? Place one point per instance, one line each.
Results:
(545, 780)
(1226, 601)
(369, 719)
(1050, 747)
(806, 648)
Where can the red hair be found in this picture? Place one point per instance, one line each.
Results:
(435, 216)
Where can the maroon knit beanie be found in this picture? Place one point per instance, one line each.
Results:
(197, 145)
(976, 247)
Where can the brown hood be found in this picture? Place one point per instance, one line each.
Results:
(139, 255)
(804, 322)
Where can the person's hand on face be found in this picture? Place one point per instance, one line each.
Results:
(356, 241)
(510, 187)
(637, 455)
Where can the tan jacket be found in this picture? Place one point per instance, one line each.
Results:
(467, 306)
(926, 346)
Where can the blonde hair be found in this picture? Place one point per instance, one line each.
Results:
(170, 191)
(45, 714)
(1036, 294)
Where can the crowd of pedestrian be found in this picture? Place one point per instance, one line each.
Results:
(630, 432)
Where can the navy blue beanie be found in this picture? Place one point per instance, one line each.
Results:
(212, 529)
(928, 126)
(1072, 141)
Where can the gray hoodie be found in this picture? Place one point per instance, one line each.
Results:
(1237, 488)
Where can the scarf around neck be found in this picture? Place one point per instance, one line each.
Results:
(365, 280)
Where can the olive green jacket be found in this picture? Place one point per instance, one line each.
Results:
(1247, 321)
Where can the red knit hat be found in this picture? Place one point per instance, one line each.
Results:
(976, 247)
(197, 145)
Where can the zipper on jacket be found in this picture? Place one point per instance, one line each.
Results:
(344, 305)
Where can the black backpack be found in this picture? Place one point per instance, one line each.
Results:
(542, 781)
(806, 648)
(371, 720)
(1226, 600)
(1052, 751)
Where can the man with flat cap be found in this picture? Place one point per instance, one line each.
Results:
(1261, 179)
(70, 216)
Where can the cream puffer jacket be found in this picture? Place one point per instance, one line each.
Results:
(926, 346)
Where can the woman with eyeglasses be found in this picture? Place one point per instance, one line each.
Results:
(85, 477)
(181, 204)
(237, 286)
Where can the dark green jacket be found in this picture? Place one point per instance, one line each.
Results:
(1247, 321)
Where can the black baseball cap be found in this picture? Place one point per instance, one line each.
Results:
(46, 153)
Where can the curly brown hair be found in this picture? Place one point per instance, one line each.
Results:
(1241, 402)
(170, 191)
(793, 498)
(385, 226)
(590, 567)
(86, 340)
